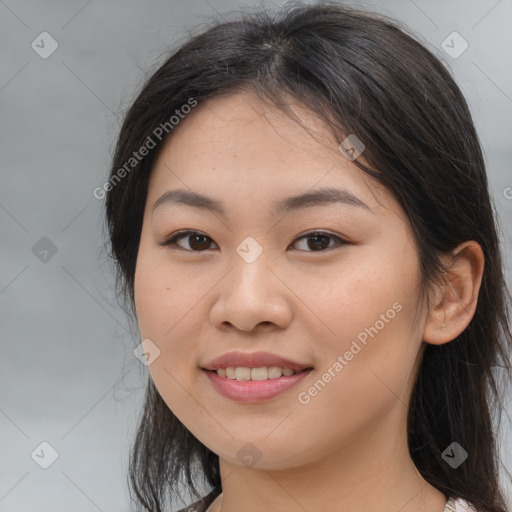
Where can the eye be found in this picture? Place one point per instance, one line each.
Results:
(320, 240)
(198, 242)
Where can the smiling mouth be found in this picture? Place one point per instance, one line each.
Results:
(238, 385)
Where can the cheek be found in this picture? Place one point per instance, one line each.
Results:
(345, 299)
(165, 312)
(358, 384)
(160, 294)
(169, 309)
(365, 317)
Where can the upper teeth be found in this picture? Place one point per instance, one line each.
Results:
(261, 373)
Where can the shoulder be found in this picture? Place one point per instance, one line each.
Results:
(202, 504)
(458, 505)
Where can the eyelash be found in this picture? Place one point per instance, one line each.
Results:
(182, 234)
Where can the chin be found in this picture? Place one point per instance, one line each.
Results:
(263, 454)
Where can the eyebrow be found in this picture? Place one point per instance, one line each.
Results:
(319, 197)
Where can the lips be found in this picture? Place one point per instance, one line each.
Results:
(254, 391)
(254, 360)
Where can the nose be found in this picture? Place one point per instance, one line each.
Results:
(250, 295)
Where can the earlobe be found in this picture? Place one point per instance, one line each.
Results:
(456, 298)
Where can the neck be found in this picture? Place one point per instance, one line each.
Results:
(373, 473)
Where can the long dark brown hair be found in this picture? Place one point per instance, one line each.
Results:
(363, 74)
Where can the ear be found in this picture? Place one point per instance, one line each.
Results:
(456, 298)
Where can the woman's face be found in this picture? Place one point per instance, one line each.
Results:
(341, 302)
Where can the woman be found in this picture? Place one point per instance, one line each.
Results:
(299, 211)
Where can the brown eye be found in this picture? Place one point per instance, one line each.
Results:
(197, 241)
(319, 241)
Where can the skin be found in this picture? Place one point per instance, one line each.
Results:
(347, 448)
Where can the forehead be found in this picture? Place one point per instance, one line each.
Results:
(237, 147)
(240, 123)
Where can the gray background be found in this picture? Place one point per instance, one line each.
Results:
(68, 373)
